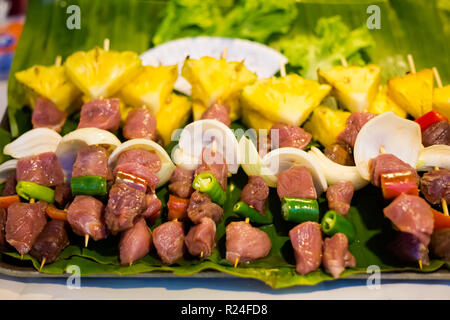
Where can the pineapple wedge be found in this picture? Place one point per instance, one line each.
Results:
(354, 87)
(50, 82)
(325, 124)
(413, 92)
(255, 120)
(235, 110)
(441, 100)
(100, 73)
(151, 88)
(288, 99)
(383, 103)
(172, 116)
(216, 79)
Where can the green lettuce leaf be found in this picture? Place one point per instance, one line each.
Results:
(333, 41)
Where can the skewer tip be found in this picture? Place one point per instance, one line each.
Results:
(201, 254)
(382, 149)
(224, 53)
(86, 240)
(32, 200)
(247, 220)
(58, 61)
(282, 69)
(236, 262)
(411, 63)
(344, 62)
(420, 264)
(42, 263)
(106, 44)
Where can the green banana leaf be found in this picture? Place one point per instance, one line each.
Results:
(407, 26)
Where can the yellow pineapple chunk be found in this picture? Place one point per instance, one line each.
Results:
(289, 99)
(216, 80)
(235, 110)
(354, 87)
(50, 82)
(441, 100)
(172, 116)
(255, 120)
(383, 103)
(100, 73)
(325, 124)
(151, 88)
(413, 92)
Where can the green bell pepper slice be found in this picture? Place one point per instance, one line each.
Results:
(205, 182)
(333, 223)
(30, 190)
(89, 185)
(300, 210)
(244, 210)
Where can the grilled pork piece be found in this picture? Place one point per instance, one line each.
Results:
(168, 239)
(140, 123)
(255, 194)
(340, 196)
(353, 125)
(153, 207)
(411, 214)
(306, 239)
(10, 185)
(125, 203)
(52, 240)
(200, 206)
(437, 133)
(85, 216)
(435, 186)
(289, 136)
(101, 113)
(245, 242)
(388, 163)
(336, 256)
(92, 161)
(341, 153)
(47, 115)
(201, 238)
(181, 182)
(440, 243)
(296, 182)
(63, 194)
(135, 242)
(3, 216)
(43, 169)
(214, 163)
(218, 112)
(408, 248)
(25, 221)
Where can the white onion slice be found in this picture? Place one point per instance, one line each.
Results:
(33, 142)
(283, 159)
(398, 136)
(6, 168)
(335, 172)
(252, 164)
(167, 166)
(212, 134)
(434, 156)
(73, 141)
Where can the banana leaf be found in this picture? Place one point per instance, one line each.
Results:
(407, 26)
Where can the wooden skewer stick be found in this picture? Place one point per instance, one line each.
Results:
(58, 61)
(224, 53)
(382, 150)
(282, 69)
(42, 263)
(247, 220)
(437, 77)
(201, 255)
(344, 62)
(420, 264)
(32, 200)
(21, 257)
(412, 67)
(131, 263)
(106, 44)
(86, 240)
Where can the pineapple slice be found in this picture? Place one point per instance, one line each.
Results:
(152, 87)
(288, 99)
(354, 87)
(441, 100)
(255, 120)
(100, 73)
(50, 82)
(325, 124)
(172, 116)
(383, 103)
(413, 92)
(235, 109)
(216, 79)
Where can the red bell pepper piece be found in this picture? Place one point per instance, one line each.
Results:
(177, 207)
(440, 220)
(6, 201)
(55, 213)
(430, 118)
(394, 184)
